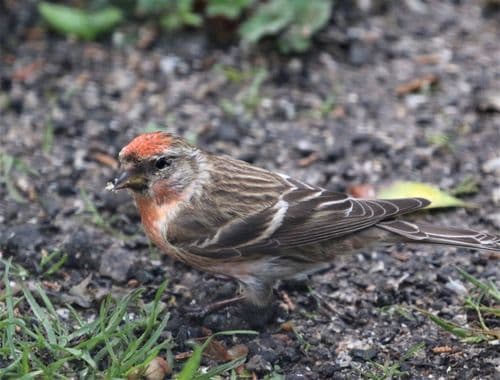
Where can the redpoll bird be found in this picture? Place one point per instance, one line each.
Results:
(228, 217)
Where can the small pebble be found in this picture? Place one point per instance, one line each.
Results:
(492, 165)
(258, 364)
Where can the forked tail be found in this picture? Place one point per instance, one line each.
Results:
(426, 233)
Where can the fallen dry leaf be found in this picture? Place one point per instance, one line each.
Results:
(361, 191)
(206, 332)
(52, 285)
(29, 71)
(437, 197)
(401, 256)
(79, 293)
(442, 350)
(416, 84)
(283, 338)
(287, 326)
(493, 255)
(216, 350)
(105, 159)
(237, 351)
(429, 59)
(309, 160)
(338, 112)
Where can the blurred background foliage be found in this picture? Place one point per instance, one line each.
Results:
(290, 23)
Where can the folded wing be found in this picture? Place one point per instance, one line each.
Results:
(303, 215)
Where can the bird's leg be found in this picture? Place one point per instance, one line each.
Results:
(256, 304)
(259, 308)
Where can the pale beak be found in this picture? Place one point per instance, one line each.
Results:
(130, 180)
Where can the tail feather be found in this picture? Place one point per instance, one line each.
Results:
(426, 233)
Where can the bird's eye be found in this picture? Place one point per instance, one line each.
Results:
(162, 163)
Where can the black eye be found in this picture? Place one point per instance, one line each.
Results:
(163, 162)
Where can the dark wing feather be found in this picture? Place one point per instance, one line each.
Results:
(301, 216)
(324, 221)
(426, 233)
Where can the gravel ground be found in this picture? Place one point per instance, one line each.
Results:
(402, 91)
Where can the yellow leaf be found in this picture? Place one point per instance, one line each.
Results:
(438, 198)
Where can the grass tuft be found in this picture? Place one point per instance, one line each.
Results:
(39, 340)
(484, 299)
(390, 370)
(124, 337)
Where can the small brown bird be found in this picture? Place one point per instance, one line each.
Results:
(226, 216)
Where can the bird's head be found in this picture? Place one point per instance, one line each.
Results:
(157, 163)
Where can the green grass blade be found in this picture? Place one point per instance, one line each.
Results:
(87, 329)
(81, 354)
(41, 316)
(150, 324)
(412, 351)
(31, 375)
(488, 289)
(190, 368)
(10, 367)
(59, 327)
(446, 325)
(221, 369)
(10, 310)
(495, 311)
(148, 346)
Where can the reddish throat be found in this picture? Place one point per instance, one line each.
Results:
(157, 210)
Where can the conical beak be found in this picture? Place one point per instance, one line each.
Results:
(128, 179)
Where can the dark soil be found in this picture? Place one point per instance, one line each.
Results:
(332, 117)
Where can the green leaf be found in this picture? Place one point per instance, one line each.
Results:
(182, 14)
(230, 9)
(269, 19)
(187, 14)
(308, 19)
(80, 23)
(437, 197)
(151, 7)
(104, 20)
